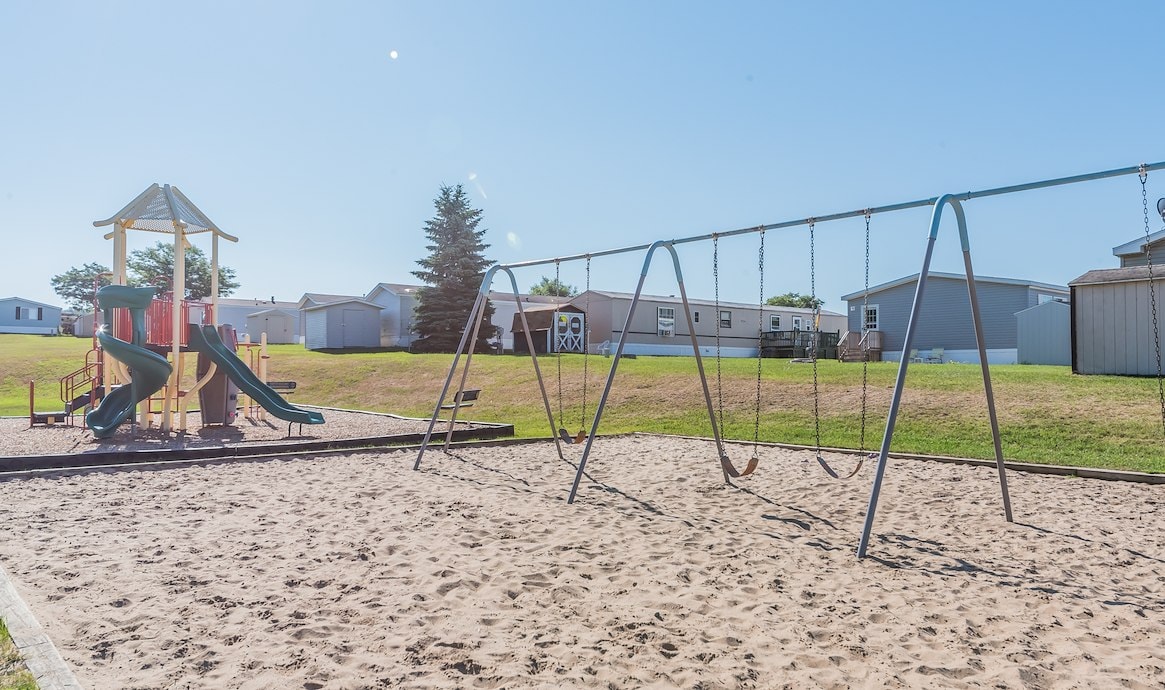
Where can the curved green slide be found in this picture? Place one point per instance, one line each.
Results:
(205, 339)
(148, 371)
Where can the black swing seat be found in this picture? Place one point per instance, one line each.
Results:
(463, 399)
(834, 473)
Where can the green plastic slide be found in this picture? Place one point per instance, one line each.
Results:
(205, 339)
(148, 371)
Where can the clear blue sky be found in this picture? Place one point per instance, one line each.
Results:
(578, 127)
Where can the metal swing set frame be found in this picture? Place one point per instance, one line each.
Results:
(939, 203)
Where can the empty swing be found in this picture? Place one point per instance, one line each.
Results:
(586, 337)
(813, 358)
(1143, 174)
(725, 462)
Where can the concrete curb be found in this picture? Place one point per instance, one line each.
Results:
(40, 654)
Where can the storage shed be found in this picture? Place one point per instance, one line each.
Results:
(280, 326)
(542, 319)
(1112, 321)
(351, 323)
(1044, 334)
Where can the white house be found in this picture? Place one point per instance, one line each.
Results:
(659, 326)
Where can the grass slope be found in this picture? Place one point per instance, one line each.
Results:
(1046, 414)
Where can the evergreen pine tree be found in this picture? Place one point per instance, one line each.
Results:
(452, 273)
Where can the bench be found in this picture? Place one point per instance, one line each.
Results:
(463, 399)
(285, 387)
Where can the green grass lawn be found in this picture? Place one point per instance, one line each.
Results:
(1047, 415)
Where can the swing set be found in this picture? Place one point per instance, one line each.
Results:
(938, 204)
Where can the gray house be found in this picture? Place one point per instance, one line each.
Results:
(945, 319)
(19, 315)
(340, 324)
(1137, 252)
(397, 303)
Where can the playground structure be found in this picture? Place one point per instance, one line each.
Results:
(135, 369)
(938, 204)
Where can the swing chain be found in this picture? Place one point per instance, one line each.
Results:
(586, 343)
(716, 289)
(759, 340)
(863, 332)
(817, 334)
(557, 353)
(1144, 177)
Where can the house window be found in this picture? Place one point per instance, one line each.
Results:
(774, 322)
(1045, 298)
(870, 322)
(796, 323)
(23, 314)
(665, 318)
(40, 313)
(725, 319)
(696, 316)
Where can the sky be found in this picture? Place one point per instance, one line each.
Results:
(319, 133)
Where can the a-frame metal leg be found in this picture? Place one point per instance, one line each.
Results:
(900, 382)
(481, 296)
(471, 325)
(619, 354)
(477, 318)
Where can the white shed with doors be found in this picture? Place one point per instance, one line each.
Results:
(280, 326)
(345, 324)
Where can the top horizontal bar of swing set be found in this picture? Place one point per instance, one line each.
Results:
(966, 196)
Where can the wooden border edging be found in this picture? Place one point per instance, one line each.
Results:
(28, 463)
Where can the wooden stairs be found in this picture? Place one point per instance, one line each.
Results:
(860, 347)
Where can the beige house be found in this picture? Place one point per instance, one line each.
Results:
(660, 327)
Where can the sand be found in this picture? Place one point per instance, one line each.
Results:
(355, 572)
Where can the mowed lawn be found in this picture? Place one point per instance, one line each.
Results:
(1047, 414)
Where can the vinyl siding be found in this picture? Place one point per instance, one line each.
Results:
(316, 325)
(42, 319)
(1114, 328)
(609, 315)
(1156, 251)
(1043, 334)
(945, 317)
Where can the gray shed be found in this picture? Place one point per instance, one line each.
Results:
(1112, 322)
(351, 323)
(280, 326)
(1044, 334)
